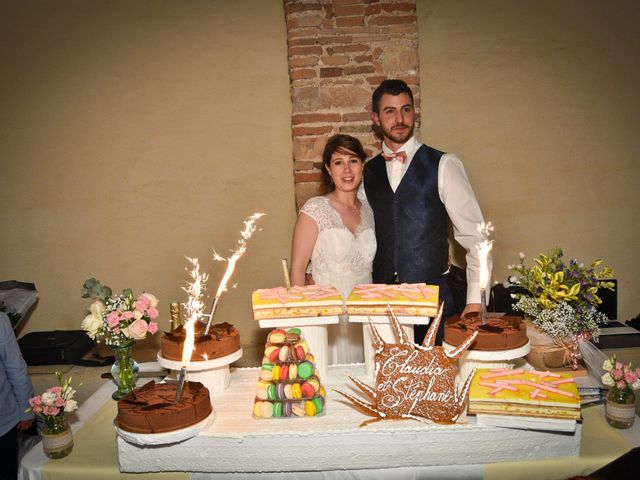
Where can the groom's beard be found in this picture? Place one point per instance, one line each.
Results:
(399, 136)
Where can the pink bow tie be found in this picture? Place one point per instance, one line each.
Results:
(400, 156)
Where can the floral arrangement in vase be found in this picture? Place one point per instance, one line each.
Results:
(52, 407)
(622, 380)
(561, 298)
(118, 319)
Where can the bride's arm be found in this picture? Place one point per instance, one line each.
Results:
(305, 234)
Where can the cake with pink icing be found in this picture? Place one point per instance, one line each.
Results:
(406, 299)
(294, 302)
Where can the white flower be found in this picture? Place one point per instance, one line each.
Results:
(97, 308)
(70, 405)
(125, 331)
(521, 254)
(49, 398)
(153, 301)
(608, 380)
(608, 366)
(92, 324)
(636, 385)
(137, 314)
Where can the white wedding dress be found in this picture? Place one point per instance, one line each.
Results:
(342, 259)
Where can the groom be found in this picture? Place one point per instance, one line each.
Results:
(415, 190)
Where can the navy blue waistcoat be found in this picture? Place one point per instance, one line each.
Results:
(412, 223)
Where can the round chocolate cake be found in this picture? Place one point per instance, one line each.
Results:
(152, 408)
(499, 333)
(223, 340)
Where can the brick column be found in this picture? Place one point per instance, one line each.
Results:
(339, 51)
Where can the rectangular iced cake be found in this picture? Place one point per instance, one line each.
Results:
(309, 301)
(524, 392)
(406, 299)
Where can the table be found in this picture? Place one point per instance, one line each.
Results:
(95, 454)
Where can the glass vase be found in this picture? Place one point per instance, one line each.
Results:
(620, 408)
(124, 370)
(57, 439)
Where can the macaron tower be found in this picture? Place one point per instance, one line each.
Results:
(289, 384)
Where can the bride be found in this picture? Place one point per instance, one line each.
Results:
(336, 233)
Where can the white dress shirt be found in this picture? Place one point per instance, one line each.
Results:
(460, 202)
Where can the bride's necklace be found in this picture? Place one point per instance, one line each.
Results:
(352, 209)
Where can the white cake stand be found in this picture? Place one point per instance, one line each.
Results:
(315, 333)
(213, 374)
(164, 438)
(487, 359)
(384, 328)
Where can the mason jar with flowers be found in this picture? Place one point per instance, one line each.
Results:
(52, 407)
(120, 320)
(560, 301)
(622, 380)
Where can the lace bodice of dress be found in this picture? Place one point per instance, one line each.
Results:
(341, 258)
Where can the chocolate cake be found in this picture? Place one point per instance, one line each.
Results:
(499, 333)
(152, 408)
(223, 340)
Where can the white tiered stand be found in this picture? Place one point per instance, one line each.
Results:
(384, 328)
(487, 359)
(314, 330)
(213, 374)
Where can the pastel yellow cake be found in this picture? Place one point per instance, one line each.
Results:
(309, 301)
(406, 299)
(524, 392)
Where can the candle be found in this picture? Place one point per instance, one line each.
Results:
(285, 272)
(484, 249)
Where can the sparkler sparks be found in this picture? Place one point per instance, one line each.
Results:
(194, 308)
(245, 234)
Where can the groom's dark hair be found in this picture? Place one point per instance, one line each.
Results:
(391, 87)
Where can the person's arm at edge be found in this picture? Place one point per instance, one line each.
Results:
(457, 195)
(16, 372)
(305, 234)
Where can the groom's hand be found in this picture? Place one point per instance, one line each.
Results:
(470, 308)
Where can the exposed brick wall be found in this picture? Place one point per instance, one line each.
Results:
(339, 51)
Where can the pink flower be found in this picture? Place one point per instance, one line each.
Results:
(142, 303)
(153, 313)
(619, 366)
(116, 330)
(617, 374)
(630, 377)
(138, 329)
(37, 409)
(35, 401)
(57, 390)
(59, 402)
(112, 319)
(128, 315)
(153, 328)
(50, 410)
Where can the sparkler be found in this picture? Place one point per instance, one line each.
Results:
(484, 248)
(245, 234)
(194, 308)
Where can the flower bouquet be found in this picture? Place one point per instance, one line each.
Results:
(52, 407)
(561, 298)
(120, 320)
(622, 380)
